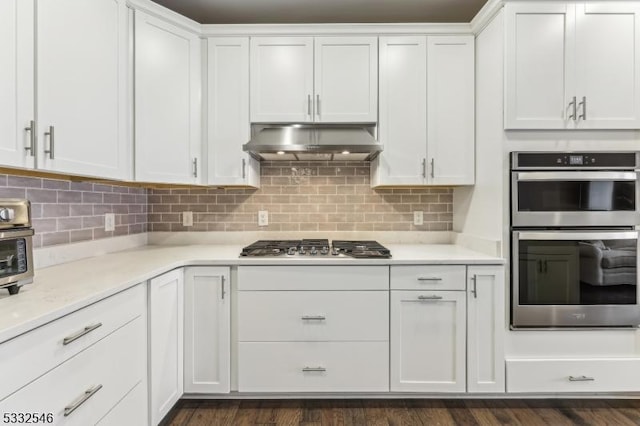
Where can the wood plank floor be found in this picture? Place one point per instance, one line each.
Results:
(407, 412)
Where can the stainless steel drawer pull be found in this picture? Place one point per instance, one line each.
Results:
(313, 369)
(313, 318)
(429, 297)
(88, 329)
(77, 403)
(581, 379)
(32, 138)
(429, 279)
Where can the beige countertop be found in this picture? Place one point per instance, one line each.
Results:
(59, 290)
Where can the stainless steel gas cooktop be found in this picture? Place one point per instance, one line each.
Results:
(317, 247)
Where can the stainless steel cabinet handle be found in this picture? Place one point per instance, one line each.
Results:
(475, 286)
(77, 403)
(88, 329)
(32, 138)
(195, 167)
(424, 168)
(433, 167)
(429, 279)
(574, 106)
(584, 108)
(318, 105)
(313, 317)
(308, 369)
(581, 379)
(52, 142)
(309, 105)
(429, 297)
(244, 168)
(223, 292)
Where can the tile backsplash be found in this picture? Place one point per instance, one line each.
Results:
(304, 196)
(66, 212)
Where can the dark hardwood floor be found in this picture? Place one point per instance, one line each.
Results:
(410, 412)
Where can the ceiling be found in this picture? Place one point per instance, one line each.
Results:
(324, 11)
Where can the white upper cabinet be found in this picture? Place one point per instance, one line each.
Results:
(565, 80)
(451, 110)
(281, 79)
(346, 79)
(302, 79)
(403, 112)
(167, 102)
(228, 113)
(16, 83)
(82, 87)
(426, 111)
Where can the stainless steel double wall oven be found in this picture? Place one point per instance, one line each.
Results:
(574, 227)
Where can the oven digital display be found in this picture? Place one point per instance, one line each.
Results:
(576, 160)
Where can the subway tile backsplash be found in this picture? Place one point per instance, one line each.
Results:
(304, 196)
(299, 196)
(66, 212)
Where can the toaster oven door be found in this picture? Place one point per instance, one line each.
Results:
(16, 258)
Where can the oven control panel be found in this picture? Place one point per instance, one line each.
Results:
(575, 160)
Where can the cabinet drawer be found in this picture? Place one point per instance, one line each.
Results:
(429, 277)
(573, 375)
(266, 316)
(313, 278)
(314, 367)
(117, 364)
(34, 353)
(131, 410)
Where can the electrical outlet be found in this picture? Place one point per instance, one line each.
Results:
(263, 218)
(109, 222)
(418, 217)
(187, 218)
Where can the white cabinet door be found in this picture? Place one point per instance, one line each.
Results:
(403, 112)
(82, 87)
(608, 65)
(346, 79)
(16, 83)
(281, 79)
(207, 328)
(166, 320)
(450, 110)
(428, 334)
(167, 106)
(540, 65)
(485, 329)
(228, 113)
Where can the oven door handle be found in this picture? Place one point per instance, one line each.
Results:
(576, 176)
(579, 235)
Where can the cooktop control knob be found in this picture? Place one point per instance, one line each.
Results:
(291, 251)
(324, 251)
(6, 214)
(313, 251)
(302, 251)
(335, 251)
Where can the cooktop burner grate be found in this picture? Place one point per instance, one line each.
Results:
(317, 247)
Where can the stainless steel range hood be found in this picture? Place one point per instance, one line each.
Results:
(302, 142)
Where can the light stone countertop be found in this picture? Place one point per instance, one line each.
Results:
(59, 290)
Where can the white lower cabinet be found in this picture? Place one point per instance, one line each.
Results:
(131, 410)
(573, 375)
(166, 320)
(428, 341)
(207, 330)
(486, 326)
(82, 390)
(313, 329)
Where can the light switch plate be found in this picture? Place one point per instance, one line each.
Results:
(109, 222)
(187, 218)
(418, 217)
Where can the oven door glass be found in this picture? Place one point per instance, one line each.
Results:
(577, 268)
(13, 257)
(575, 198)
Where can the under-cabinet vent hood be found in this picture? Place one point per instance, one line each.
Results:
(313, 142)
